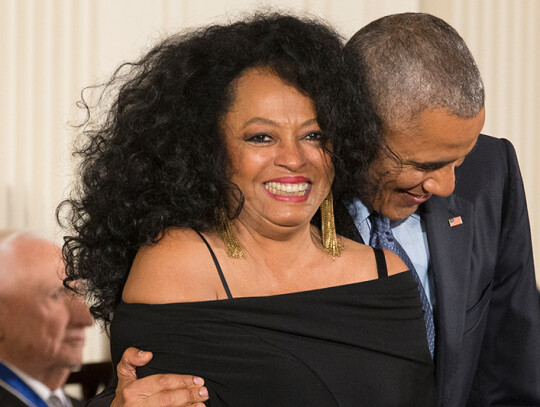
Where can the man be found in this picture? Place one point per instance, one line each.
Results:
(457, 207)
(463, 207)
(41, 324)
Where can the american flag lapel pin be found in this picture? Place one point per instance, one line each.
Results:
(455, 221)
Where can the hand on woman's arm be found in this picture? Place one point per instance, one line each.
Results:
(161, 390)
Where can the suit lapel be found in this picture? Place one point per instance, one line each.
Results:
(450, 251)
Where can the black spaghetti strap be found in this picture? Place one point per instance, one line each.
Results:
(218, 267)
(382, 270)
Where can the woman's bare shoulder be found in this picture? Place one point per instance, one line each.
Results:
(177, 268)
(394, 264)
(355, 249)
(359, 259)
(363, 253)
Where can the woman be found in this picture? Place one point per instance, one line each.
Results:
(193, 224)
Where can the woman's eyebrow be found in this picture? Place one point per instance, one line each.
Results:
(273, 123)
(259, 120)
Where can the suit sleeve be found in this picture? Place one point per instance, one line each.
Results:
(508, 372)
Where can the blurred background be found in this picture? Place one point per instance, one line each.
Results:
(51, 49)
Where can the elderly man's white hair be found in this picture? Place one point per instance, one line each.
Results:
(8, 240)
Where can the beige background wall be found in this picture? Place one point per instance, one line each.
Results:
(51, 49)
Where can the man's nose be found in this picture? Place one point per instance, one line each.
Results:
(440, 182)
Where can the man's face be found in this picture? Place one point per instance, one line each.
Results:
(420, 161)
(42, 324)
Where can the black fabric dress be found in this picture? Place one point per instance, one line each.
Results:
(360, 344)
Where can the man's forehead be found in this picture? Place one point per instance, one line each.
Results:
(31, 259)
(434, 138)
(435, 121)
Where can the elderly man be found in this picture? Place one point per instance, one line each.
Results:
(41, 324)
(454, 202)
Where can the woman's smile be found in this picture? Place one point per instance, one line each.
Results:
(285, 188)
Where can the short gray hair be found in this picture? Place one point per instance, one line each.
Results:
(413, 62)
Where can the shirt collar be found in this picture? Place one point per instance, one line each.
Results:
(357, 209)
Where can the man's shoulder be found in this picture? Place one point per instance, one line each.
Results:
(488, 151)
(486, 167)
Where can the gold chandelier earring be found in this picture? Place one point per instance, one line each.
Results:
(226, 233)
(328, 228)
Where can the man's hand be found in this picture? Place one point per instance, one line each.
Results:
(161, 390)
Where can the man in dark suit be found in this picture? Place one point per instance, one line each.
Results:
(41, 324)
(456, 204)
(467, 194)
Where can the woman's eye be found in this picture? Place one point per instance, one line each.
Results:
(314, 136)
(259, 138)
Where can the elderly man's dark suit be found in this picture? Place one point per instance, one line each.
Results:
(8, 399)
(487, 311)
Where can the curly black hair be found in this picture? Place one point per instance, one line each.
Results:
(157, 158)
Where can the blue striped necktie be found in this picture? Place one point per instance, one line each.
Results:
(383, 238)
(54, 401)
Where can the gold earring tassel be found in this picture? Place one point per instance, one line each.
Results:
(226, 233)
(328, 228)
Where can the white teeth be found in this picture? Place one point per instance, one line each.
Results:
(279, 188)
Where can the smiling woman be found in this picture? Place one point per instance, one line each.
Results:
(275, 147)
(192, 227)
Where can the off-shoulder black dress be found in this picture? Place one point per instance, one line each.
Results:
(360, 344)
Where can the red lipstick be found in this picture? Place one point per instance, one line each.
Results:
(290, 180)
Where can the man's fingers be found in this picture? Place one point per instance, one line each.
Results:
(131, 359)
(181, 397)
(160, 383)
(160, 390)
(165, 390)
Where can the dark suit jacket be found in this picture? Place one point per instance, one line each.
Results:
(7, 399)
(487, 313)
(487, 310)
